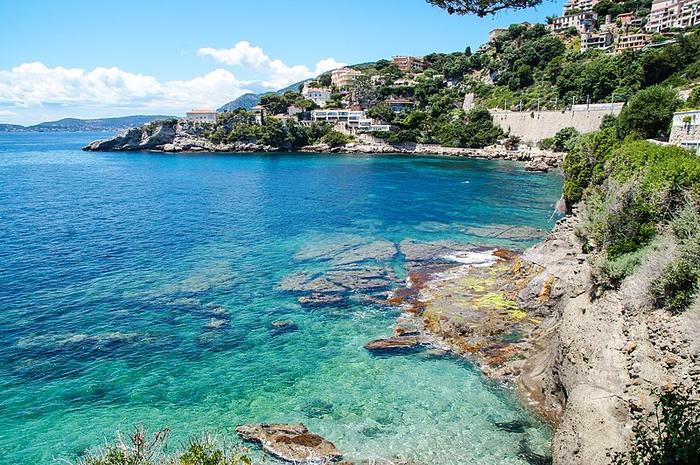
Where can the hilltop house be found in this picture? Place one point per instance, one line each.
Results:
(398, 105)
(201, 115)
(685, 130)
(318, 95)
(344, 78)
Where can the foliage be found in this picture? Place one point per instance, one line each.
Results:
(649, 112)
(563, 141)
(336, 138)
(632, 191)
(668, 436)
(473, 130)
(678, 285)
(140, 449)
(482, 7)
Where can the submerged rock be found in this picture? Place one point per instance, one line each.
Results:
(394, 344)
(283, 326)
(318, 299)
(290, 442)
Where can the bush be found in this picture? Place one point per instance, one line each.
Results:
(677, 286)
(648, 113)
(140, 449)
(669, 436)
(336, 138)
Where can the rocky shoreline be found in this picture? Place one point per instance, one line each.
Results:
(181, 137)
(589, 366)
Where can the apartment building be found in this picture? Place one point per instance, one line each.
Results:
(673, 14)
(344, 78)
(583, 22)
(602, 41)
(579, 5)
(408, 63)
(632, 42)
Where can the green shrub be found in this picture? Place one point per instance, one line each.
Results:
(648, 113)
(677, 286)
(336, 138)
(140, 449)
(669, 436)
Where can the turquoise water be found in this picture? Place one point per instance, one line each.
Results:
(141, 289)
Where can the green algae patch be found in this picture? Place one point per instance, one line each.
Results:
(496, 301)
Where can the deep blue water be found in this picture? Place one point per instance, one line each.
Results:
(140, 288)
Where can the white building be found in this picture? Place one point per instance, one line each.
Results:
(319, 95)
(201, 115)
(583, 22)
(602, 41)
(352, 117)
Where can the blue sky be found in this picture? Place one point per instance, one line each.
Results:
(108, 58)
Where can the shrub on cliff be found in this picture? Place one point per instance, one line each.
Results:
(668, 436)
(336, 138)
(632, 193)
(139, 448)
(648, 113)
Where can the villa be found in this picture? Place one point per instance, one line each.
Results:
(344, 78)
(318, 95)
(201, 115)
(352, 117)
(400, 104)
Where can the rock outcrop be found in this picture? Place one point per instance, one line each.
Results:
(290, 442)
(171, 136)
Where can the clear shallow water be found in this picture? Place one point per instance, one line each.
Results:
(115, 268)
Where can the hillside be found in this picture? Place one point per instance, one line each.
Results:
(248, 101)
(85, 125)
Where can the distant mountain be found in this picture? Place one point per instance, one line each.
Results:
(81, 125)
(10, 127)
(248, 101)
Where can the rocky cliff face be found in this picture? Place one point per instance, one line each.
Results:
(598, 360)
(171, 136)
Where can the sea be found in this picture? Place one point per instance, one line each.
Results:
(148, 289)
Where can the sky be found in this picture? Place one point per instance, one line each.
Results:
(94, 59)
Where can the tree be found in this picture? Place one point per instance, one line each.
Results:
(482, 7)
(648, 113)
(274, 103)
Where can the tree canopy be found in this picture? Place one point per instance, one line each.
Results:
(482, 7)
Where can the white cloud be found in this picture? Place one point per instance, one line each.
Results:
(279, 74)
(33, 91)
(35, 84)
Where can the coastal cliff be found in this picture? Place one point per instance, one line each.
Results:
(182, 136)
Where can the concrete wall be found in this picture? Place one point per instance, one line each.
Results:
(534, 126)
